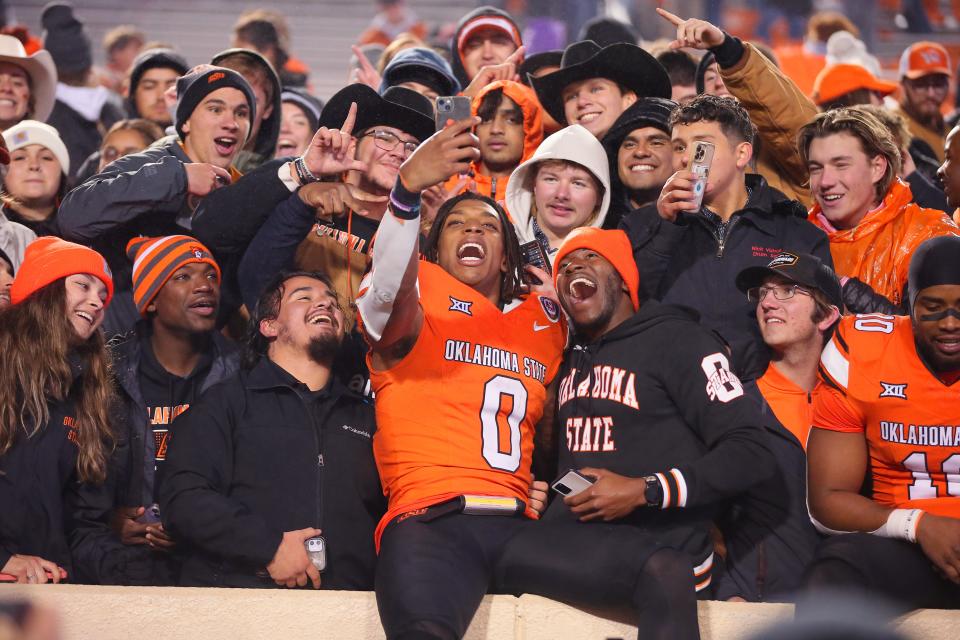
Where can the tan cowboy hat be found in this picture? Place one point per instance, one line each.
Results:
(42, 72)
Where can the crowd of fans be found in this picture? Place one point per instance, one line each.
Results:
(535, 350)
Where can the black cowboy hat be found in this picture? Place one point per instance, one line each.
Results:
(625, 64)
(532, 64)
(398, 107)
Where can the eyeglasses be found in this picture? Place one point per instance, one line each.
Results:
(388, 142)
(780, 292)
(936, 82)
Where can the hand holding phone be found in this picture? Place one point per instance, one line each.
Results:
(571, 483)
(700, 166)
(317, 552)
(454, 108)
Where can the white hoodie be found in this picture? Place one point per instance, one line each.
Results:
(573, 144)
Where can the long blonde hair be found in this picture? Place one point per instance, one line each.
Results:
(37, 342)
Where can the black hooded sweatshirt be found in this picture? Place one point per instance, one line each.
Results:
(655, 395)
(455, 60)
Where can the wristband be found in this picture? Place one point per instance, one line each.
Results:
(303, 173)
(405, 203)
(901, 524)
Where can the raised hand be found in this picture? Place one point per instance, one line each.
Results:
(506, 70)
(677, 195)
(332, 150)
(693, 33)
(448, 151)
(365, 73)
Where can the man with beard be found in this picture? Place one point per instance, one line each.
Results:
(925, 83)
(884, 450)
(650, 412)
(276, 455)
(329, 226)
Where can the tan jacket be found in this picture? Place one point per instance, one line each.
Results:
(935, 139)
(778, 109)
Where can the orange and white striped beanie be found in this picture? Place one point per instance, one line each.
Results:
(155, 260)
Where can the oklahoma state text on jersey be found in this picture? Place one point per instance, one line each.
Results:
(457, 414)
(877, 384)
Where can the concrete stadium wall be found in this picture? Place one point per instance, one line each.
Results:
(119, 613)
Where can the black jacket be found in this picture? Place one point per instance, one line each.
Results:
(686, 263)
(767, 532)
(98, 555)
(35, 474)
(260, 455)
(79, 135)
(655, 395)
(146, 194)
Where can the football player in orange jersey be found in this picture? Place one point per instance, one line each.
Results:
(889, 404)
(460, 361)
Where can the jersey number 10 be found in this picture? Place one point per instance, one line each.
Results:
(923, 487)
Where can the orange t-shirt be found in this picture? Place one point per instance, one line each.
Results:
(876, 384)
(456, 416)
(791, 404)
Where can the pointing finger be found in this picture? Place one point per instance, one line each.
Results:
(669, 17)
(517, 56)
(351, 118)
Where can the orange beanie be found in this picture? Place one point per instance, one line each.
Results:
(49, 258)
(612, 244)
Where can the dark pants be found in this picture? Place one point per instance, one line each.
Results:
(433, 572)
(872, 566)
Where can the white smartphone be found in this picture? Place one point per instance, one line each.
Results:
(571, 483)
(317, 552)
(700, 166)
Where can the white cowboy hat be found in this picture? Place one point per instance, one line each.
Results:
(42, 72)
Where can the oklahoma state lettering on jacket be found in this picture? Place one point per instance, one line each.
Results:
(655, 396)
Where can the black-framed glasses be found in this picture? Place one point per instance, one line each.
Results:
(780, 292)
(388, 141)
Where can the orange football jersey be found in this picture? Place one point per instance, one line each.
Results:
(875, 383)
(457, 414)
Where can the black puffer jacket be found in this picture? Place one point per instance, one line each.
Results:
(688, 263)
(98, 554)
(259, 455)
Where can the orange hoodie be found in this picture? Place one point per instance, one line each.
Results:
(496, 188)
(877, 251)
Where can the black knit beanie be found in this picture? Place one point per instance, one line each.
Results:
(194, 87)
(66, 39)
(936, 261)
